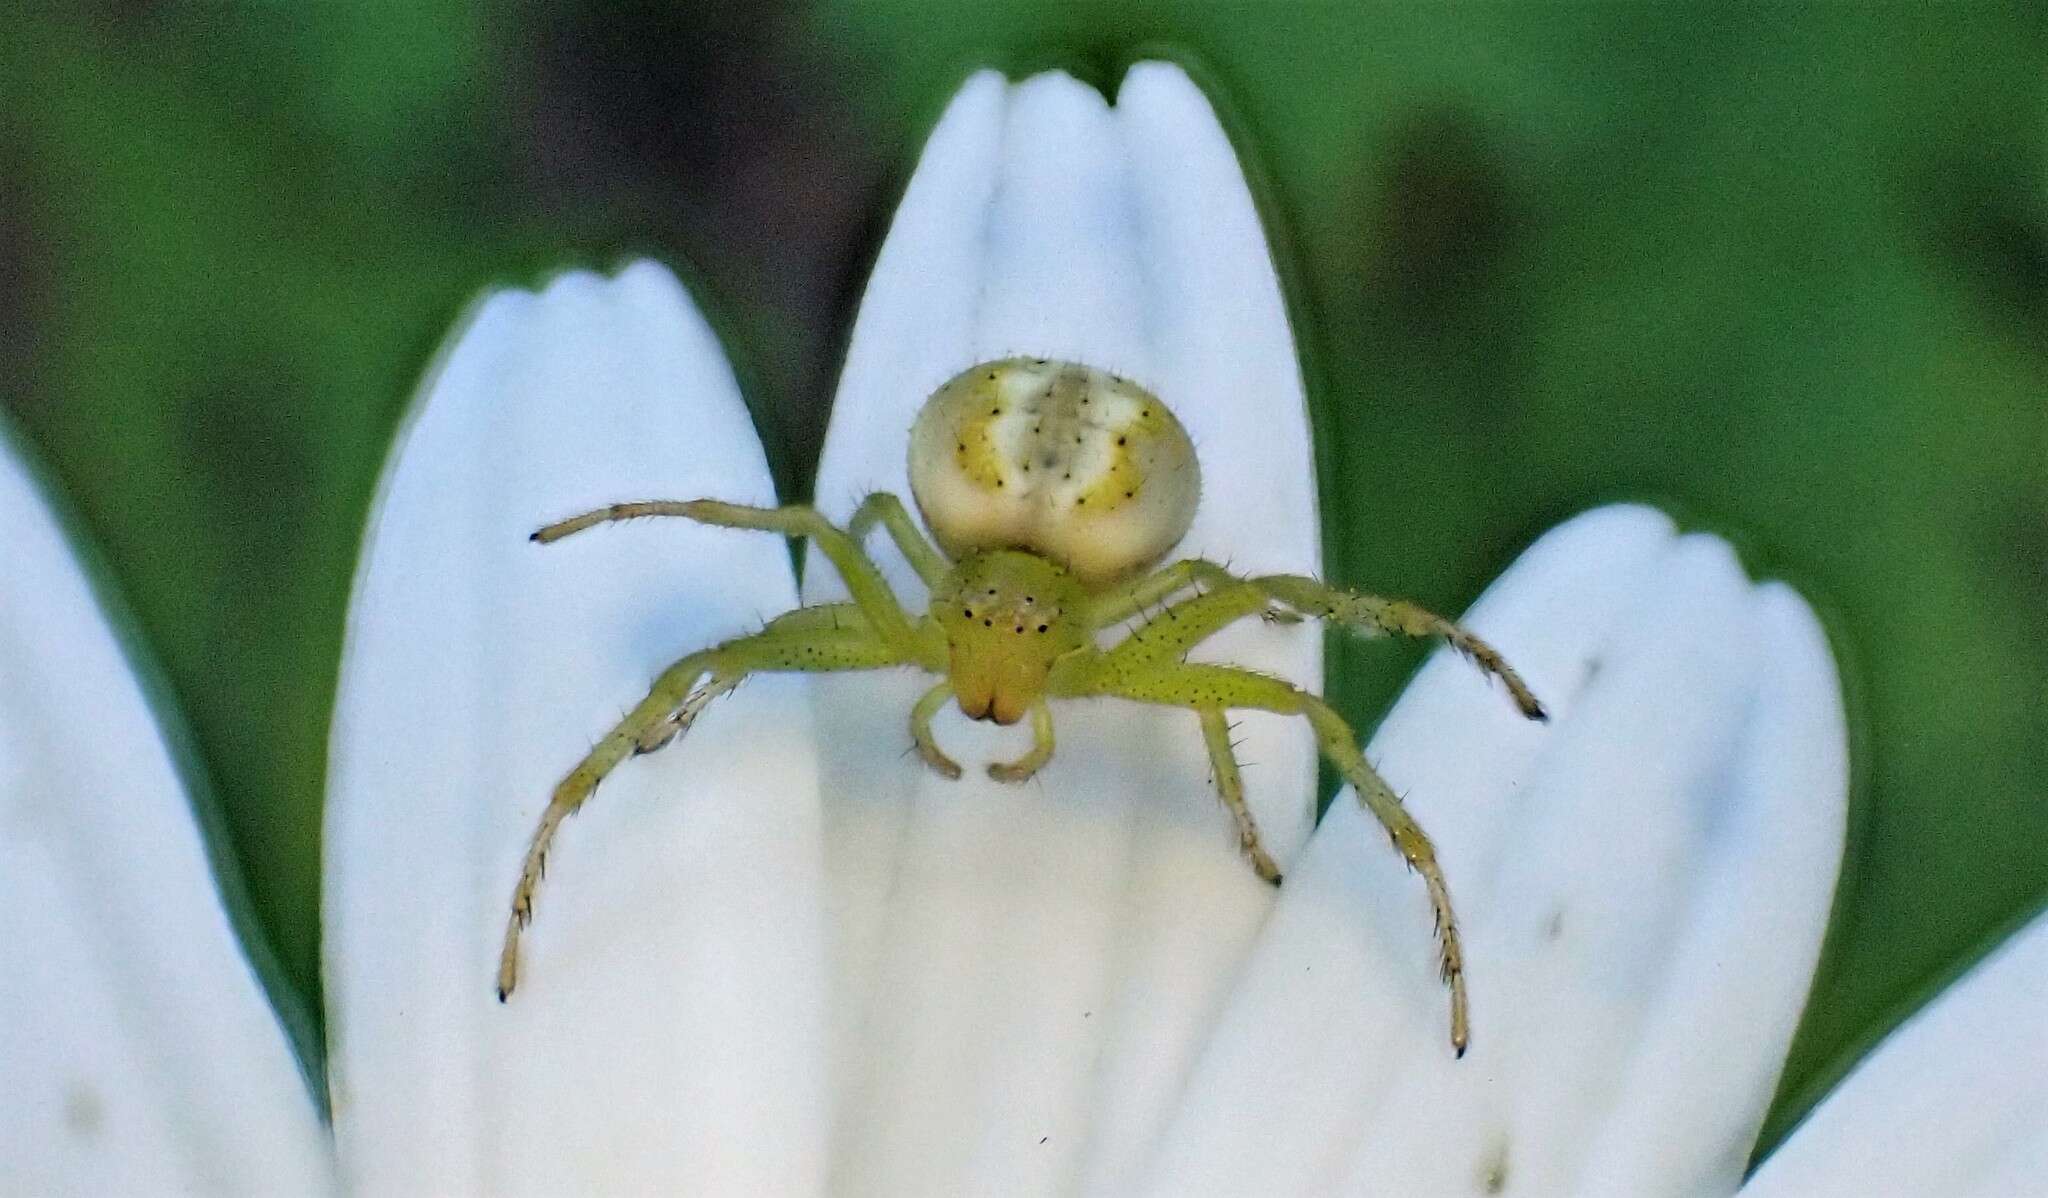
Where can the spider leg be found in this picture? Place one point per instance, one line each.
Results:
(1041, 749)
(1340, 744)
(1230, 786)
(1180, 626)
(1376, 616)
(1218, 688)
(921, 714)
(924, 557)
(822, 617)
(801, 641)
(834, 618)
(870, 592)
(1129, 598)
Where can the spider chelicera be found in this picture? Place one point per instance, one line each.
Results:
(1049, 488)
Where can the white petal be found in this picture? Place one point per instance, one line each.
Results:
(1953, 1104)
(667, 1030)
(1032, 968)
(1643, 885)
(138, 1050)
(1693, 1094)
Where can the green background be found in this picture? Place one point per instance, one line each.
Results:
(1783, 270)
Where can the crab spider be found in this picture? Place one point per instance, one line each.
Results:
(1048, 488)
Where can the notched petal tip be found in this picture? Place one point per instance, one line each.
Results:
(1042, 221)
(476, 674)
(1606, 869)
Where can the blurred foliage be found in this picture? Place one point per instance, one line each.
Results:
(1781, 269)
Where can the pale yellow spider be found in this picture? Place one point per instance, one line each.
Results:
(1049, 488)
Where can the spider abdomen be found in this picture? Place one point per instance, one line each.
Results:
(1083, 466)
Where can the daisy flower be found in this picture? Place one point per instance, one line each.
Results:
(781, 957)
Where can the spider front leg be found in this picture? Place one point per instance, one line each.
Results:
(821, 639)
(830, 619)
(1375, 616)
(1134, 596)
(1224, 598)
(923, 556)
(1207, 688)
(1340, 744)
(864, 582)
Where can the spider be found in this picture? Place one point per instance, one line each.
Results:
(1049, 488)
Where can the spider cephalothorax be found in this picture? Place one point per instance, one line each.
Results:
(1008, 616)
(1050, 488)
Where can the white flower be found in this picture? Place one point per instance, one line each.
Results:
(137, 1052)
(780, 957)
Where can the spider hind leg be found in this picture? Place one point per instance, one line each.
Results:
(1230, 788)
(1211, 688)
